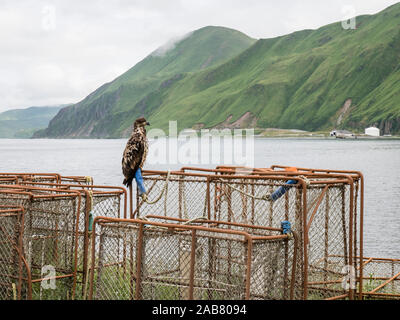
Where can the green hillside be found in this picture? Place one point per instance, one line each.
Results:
(309, 80)
(22, 123)
(112, 108)
(299, 81)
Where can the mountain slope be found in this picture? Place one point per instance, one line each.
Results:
(309, 80)
(112, 108)
(301, 81)
(22, 123)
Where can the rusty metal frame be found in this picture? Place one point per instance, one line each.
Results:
(49, 177)
(88, 192)
(8, 179)
(79, 186)
(19, 212)
(387, 280)
(182, 224)
(356, 176)
(79, 180)
(35, 193)
(323, 177)
(26, 176)
(350, 176)
(95, 189)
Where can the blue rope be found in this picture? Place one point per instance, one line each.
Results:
(282, 190)
(139, 181)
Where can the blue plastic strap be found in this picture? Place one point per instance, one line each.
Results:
(90, 227)
(282, 190)
(139, 181)
(286, 227)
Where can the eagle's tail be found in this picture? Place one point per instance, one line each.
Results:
(127, 182)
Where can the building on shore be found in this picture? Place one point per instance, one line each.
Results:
(372, 131)
(342, 134)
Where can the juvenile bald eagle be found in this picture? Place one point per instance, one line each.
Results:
(135, 151)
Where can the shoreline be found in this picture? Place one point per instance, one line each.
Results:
(257, 136)
(322, 137)
(269, 133)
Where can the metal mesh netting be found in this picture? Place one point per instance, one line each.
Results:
(95, 203)
(328, 234)
(54, 235)
(15, 281)
(45, 178)
(322, 221)
(236, 200)
(381, 278)
(8, 180)
(152, 260)
(146, 260)
(33, 177)
(79, 180)
(49, 238)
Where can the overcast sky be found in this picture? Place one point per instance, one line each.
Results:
(57, 52)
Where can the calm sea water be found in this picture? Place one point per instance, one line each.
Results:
(378, 160)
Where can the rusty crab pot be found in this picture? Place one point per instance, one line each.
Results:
(50, 237)
(106, 201)
(170, 258)
(16, 281)
(321, 207)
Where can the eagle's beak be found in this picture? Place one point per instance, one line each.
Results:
(148, 123)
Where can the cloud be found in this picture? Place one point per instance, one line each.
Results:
(169, 45)
(59, 51)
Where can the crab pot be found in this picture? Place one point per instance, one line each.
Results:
(49, 239)
(15, 280)
(178, 259)
(325, 210)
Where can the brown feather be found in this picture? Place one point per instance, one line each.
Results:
(134, 154)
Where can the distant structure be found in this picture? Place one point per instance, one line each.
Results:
(342, 134)
(372, 131)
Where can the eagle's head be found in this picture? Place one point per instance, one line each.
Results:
(141, 122)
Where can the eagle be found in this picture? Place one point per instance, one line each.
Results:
(135, 152)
